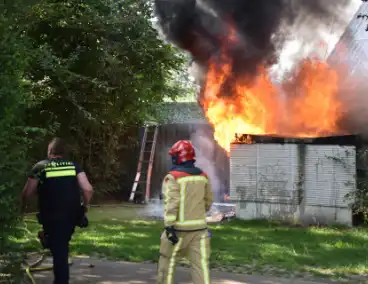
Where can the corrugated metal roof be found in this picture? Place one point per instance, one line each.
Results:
(358, 25)
(342, 140)
(352, 48)
(180, 112)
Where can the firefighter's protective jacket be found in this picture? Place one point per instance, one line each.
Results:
(188, 197)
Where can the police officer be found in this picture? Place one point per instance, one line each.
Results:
(57, 182)
(188, 197)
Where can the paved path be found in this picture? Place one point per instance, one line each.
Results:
(88, 270)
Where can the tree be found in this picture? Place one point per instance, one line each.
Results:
(89, 70)
(14, 141)
(99, 71)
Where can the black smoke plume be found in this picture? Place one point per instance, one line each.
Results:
(202, 27)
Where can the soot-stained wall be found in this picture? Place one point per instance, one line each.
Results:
(294, 180)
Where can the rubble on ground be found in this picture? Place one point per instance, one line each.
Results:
(221, 212)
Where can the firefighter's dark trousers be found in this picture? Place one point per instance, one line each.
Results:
(195, 246)
(60, 233)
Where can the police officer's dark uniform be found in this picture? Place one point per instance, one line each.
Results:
(59, 209)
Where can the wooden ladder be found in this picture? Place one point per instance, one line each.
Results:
(145, 163)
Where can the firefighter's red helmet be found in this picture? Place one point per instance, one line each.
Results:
(184, 151)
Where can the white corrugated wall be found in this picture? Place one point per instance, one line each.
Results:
(330, 175)
(290, 181)
(261, 169)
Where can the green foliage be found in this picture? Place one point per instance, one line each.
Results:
(13, 139)
(359, 198)
(99, 70)
(89, 71)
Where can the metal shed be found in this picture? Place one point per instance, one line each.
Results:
(304, 180)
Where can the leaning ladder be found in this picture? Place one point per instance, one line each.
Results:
(145, 163)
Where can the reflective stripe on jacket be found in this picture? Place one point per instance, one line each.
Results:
(187, 200)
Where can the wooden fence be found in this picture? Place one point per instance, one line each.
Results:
(210, 156)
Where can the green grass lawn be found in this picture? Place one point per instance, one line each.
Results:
(239, 246)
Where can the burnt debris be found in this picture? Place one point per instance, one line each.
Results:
(342, 140)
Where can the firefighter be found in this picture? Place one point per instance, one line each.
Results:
(57, 182)
(187, 197)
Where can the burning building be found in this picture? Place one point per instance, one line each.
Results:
(234, 45)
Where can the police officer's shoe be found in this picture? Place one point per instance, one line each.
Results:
(44, 239)
(38, 216)
(83, 223)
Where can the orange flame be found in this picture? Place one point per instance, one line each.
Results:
(306, 105)
(315, 108)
